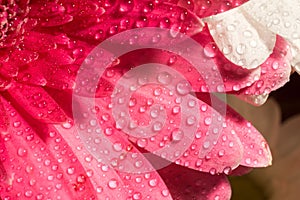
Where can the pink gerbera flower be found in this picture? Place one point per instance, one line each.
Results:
(47, 153)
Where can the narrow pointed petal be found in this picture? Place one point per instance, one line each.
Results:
(28, 169)
(4, 121)
(121, 16)
(170, 131)
(256, 152)
(242, 40)
(109, 146)
(185, 184)
(38, 103)
(256, 149)
(204, 8)
(266, 118)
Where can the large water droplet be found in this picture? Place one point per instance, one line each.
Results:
(183, 87)
(164, 78)
(177, 135)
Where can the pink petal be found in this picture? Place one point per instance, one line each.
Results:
(275, 71)
(110, 184)
(256, 152)
(37, 102)
(175, 138)
(137, 176)
(256, 149)
(28, 167)
(185, 184)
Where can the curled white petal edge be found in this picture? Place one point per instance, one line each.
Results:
(246, 42)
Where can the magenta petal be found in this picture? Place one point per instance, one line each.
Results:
(123, 16)
(4, 121)
(38, 103)
(275, 71)
(204, 8)
(186, 184)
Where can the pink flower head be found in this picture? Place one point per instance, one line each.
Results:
(112, 99)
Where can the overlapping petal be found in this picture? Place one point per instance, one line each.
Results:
(41, 147)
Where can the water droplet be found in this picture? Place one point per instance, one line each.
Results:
(183, 87)
(17, 124)
(212, 171)
(137, 196)
(165, 193)
(177, 135)
(221, 153)
(176, 110)
(275, 65)
(207, 121)
(191, 103)
(154, 113)
(206, 145)
(241, 49)
(113, 184)
(117, 146)
(203, 107)
(22, 152)
(227, 170)
(210, 50)
(248, 161)
(191, 120)
(153, 182)
(157, 91)
(142, 142)
(71, 170)
(156, 38)
(164, 78)
(157, 126)
(172, 60)
(28, 193)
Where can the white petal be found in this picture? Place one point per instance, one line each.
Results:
(242, 40)
(280, 16)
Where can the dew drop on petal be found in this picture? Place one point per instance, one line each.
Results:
(210, 50)
(183, 87)
(22, 152)
(142, 142)
(164, 78)
(177, 135)
(153, 182)
(113, 184)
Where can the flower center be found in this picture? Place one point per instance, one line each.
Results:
(3, 22)
(12, 17)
